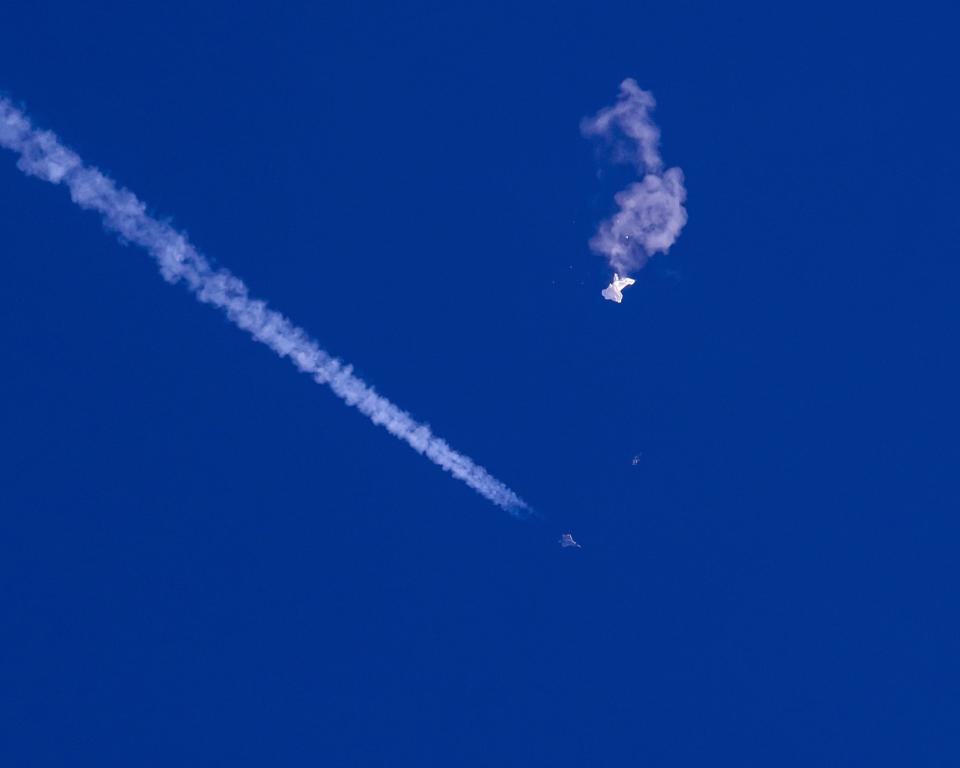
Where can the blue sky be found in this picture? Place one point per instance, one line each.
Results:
(208, 559)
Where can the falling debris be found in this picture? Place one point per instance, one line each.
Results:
(636, 459)
(567, 541)
(614, 291)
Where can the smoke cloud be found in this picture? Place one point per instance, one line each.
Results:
(42, 155)
(651, 212)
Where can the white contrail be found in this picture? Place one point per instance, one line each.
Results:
(42, 155)
(651, 211)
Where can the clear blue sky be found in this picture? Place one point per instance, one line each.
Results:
(208, 560)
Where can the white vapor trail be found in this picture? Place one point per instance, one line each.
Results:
(42, 155)
(651, 212)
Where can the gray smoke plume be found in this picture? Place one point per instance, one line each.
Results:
(651, 212)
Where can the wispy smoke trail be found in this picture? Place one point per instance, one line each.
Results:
(651, 211)
(42, 155)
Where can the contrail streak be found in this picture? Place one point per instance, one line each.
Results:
(42, 155)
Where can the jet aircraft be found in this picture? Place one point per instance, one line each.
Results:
(567, 541)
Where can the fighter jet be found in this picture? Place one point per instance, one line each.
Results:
(567, 541)
(614, 291)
